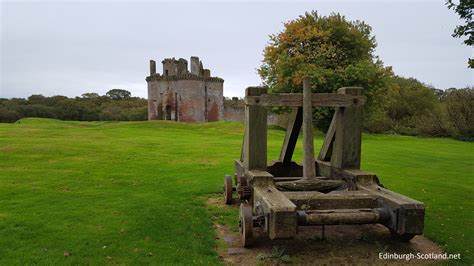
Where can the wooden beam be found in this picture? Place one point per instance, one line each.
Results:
(242, 149)
(326, 148)
(291, 137)
(406, 215)
(280, 210)
(309, 167)
(347, 140)
(296, 100)
(312, 200)
(255, 143)
(239, 168)
(259, 178)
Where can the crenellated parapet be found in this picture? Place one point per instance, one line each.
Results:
(177, 69)
(187, 76)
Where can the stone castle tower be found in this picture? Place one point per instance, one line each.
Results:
(184, 95)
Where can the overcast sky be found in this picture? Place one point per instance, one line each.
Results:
(68, 48)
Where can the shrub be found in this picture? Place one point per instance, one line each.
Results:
(8, 116)
(460, 112)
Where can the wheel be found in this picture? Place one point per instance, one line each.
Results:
(228, 189)
(246, 224)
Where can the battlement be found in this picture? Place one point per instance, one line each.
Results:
(187, 76)
(173, 67)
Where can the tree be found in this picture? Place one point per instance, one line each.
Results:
(36, 110)
(465, 10)
(331, 50)
(407, 106)
(36, 99)
(90, 95)
(460, 109)
(8, 116)
(118, 94)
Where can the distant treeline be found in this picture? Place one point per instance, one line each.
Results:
(404, 106)
(409, 107)
(115, 105)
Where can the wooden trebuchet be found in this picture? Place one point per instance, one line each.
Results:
(283, 195)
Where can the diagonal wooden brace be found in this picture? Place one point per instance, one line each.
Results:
(291, 137)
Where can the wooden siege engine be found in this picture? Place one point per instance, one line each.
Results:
(328, 190)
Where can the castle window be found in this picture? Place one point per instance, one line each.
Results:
(166, 72)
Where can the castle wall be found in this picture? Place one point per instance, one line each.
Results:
(215, 101)
(234, 114)
(191, 100)
(182, 95)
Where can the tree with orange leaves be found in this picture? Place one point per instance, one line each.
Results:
(331, 50)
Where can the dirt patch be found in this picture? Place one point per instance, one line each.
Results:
(341, 245)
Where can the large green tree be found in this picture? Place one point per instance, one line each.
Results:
(465, 10)
(331, 50)
(460, 110)
(118, 94)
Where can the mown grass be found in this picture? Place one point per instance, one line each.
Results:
(134, 192)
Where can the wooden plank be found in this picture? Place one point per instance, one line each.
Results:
(259, 178)
(239, 168)
(255, 149)
(347, 141)
(291, 137)
(286, 178)
(280, 210)
(326, 148)
(242, 149)
(309, 168)
(295, 100)
(312, 200)
(324, 169)
(353, 177)
(406, 214)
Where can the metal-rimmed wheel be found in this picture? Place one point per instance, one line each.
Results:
(228, 189)
(246, 224)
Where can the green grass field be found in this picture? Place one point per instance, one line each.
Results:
(135, 192)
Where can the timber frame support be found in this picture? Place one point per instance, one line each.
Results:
(357, 198)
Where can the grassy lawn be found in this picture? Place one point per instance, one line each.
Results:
(134, 192)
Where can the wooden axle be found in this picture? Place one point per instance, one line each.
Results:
(343, 216)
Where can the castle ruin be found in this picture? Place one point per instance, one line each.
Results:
(184, 95)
